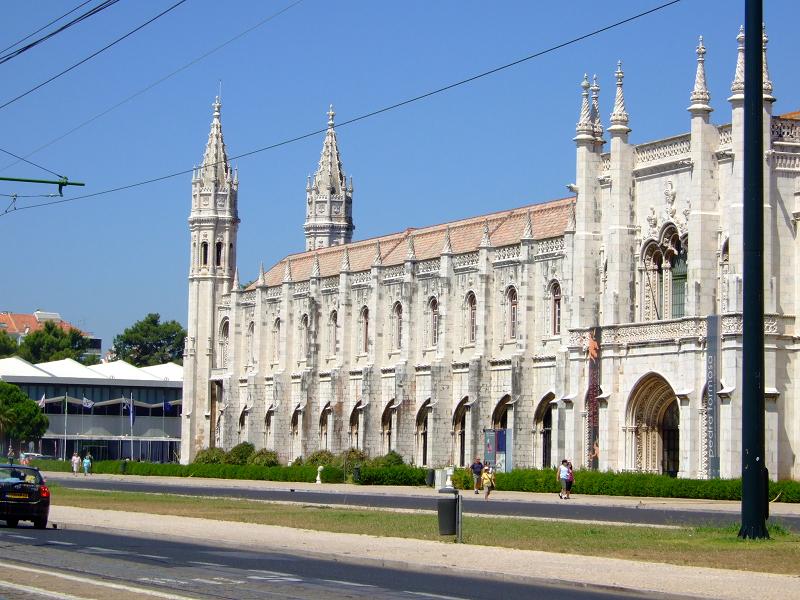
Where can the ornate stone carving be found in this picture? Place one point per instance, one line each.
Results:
(668, 150)
(464, 261)
(669, 201)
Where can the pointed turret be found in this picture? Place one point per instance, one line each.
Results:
(737, 87)
(486, 241)
(411, 254)
(235, 284)
(329, 219)
(766, 81)
(315, 267)
(377, 260)
(527, 233)
(597, 125)
(345, 266)
(700, 96)
(215, 167)
(447, 247)
(619, 116)
(584, 128)
(287, 271)
(261, 275)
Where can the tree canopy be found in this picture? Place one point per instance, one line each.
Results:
(53, 343)
(150, 342)
(7, 344)
(21, 420)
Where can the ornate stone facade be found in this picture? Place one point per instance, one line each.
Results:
(420, 341)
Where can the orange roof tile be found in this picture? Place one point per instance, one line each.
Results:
(22, 324)
(792, 115)
(505, 228)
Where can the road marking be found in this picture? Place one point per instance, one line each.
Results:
(427, 595)
(271, 573)
(205, 564)
(21, 537)
(208, 581)
(55, 543)
(95, 582)
(162, 580)
(39, 591)
(156, 556)
(352, 583)
(272, 578)
(106, 550)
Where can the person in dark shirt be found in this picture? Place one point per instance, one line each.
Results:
(477, 469)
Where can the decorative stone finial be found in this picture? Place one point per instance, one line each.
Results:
(700, 96)
(345, 266)
(584, 127)
(597, 125)
(331, 114)
(486, 242)
(287, 270)
(619, 116)
(261, 275)
(377, 261)
(215, 167)
(217, 107)
(737, 87)
(766, 83)
(411, 254)
(527, 233)
(447, 247)
(235, 284)
(315, 266)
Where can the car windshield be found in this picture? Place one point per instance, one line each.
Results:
(17, 474)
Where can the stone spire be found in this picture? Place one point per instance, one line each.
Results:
(486, 242)
(215, 167)
(584, 128)
(377, 261)
(287, 270)
(329, 198)
(345, 266)
(766, 82)
(527, 233)
(447, 247)
(619, 116)
(411, 254)
(700, 97)
(597, 125)
(261, 275)
(737, 87)
(315, 266)
(235, 284)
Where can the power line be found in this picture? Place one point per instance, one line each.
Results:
(370, 114)
(43, 27)
(91, 56)
(157, 82)
(90, 13)
(31, 163)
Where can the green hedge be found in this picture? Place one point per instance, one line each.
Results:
(395, 475)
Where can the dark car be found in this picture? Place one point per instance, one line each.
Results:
(23, 496)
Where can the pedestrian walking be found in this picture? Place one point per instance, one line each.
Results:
(477, 471)
(76, 464)
(562, 476)
(570, 478)
(487, 478)
(11, 455)
(87, 464)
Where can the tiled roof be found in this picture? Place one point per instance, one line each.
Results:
(505, 228)
(792, 115)
(19, 323)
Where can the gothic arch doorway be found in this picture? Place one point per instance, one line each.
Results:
(422, 432)
(387, 419)
(459, 433)
(500, 414)
(325, 427)
(653, 426)
(294, 432)
(543, 432)
(355, 431)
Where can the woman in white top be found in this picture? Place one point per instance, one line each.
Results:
(563, 477)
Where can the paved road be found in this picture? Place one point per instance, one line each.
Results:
(557, 509)
(215, 571)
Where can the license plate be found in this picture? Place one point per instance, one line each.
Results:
(17, 495)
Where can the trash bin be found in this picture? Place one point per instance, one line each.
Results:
(430, 477)
(446, 509)
(357, 473)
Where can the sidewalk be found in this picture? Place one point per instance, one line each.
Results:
(513, 565)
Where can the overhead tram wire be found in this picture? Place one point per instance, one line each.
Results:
(91, 56)
(89, 13)
(31, 163)
(370, 114)
(43, 27)
(157, 82)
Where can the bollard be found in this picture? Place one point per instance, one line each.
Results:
(319, 474)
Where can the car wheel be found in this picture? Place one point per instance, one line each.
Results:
(40, 523)
(11, 522)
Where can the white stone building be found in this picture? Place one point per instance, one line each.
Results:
(580, 327)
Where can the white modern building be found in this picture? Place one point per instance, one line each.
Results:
(605, 327)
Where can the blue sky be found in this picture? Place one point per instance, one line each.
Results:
(497, 143)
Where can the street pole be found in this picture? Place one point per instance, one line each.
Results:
(754, 474)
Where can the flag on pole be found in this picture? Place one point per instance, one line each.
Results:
(128, 405)
(87, 403)
(41, 402)
(167, 406)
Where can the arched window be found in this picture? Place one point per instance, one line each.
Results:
(724, 271)
(434, 310)
(472, 318)
(664, 276)
(218, 255)
(333, 333)
(276, 341)
(511, 313)
(397, 325)
(555, 300)
(251, 355)
(678, 271)
(364, 330)
(303, 341)
(204, 254)
(269, 432)
(224, 337)
(325, 427)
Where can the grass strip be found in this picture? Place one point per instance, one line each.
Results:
(692, 546)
